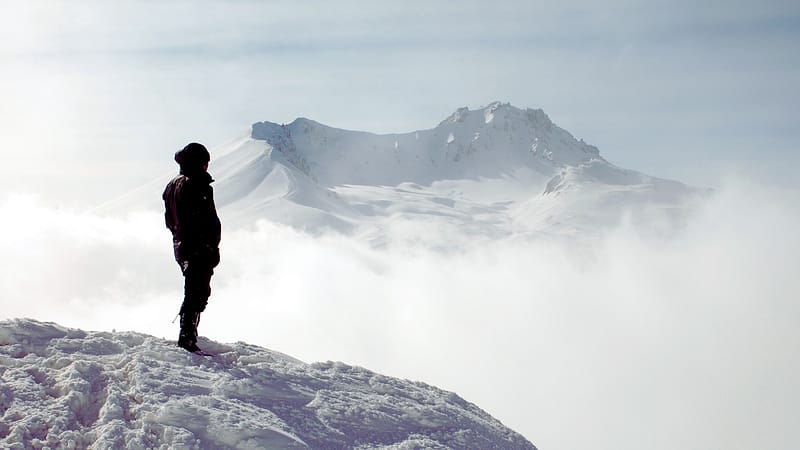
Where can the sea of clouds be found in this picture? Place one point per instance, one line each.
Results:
(628, 341)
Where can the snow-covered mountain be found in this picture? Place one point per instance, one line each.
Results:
(496, 171)
(68, 388)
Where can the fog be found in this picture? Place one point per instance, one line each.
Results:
(624, 342)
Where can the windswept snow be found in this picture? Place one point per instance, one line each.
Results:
(68, 388)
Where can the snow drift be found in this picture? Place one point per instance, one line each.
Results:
(67, 388)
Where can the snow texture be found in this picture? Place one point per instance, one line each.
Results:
(64, 388)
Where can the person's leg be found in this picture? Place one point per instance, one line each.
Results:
(197, 289)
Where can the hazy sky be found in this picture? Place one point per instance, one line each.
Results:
(95, 96)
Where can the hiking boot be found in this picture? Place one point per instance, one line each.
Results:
(187, 339)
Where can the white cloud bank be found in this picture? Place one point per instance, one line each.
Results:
(629, 343)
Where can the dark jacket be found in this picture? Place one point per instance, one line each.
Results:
(192, 217)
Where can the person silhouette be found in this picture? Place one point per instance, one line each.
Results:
(191, 216)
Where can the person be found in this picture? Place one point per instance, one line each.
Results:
(192, 218)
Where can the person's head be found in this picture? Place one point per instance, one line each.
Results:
(192, 158)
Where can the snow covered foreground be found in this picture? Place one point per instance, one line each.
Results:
(68, 388)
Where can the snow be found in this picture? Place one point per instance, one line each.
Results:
(68, 388)
(521, 173)
(335, 157)
(315, 177)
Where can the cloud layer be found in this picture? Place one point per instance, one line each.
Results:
(627, 342)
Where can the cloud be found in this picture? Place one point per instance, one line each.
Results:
(629, 342)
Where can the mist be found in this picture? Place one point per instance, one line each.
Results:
(625, 342)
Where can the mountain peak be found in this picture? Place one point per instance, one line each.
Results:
(492, 141)
(502, 110)
(304, 121)
(488, 112)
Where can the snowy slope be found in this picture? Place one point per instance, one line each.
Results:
(67, 388)
(492, 172)
(261, 182)
(498, 171)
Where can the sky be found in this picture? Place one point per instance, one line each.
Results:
(641, 343)
(96, 96)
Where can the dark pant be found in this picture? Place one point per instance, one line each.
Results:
(196, 285)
